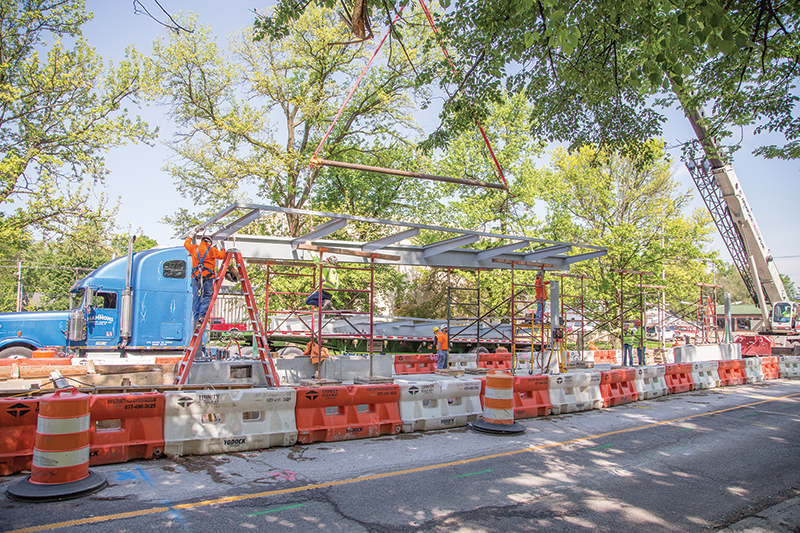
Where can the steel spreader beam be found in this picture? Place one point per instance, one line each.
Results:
(407, 174)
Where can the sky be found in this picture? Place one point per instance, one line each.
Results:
(147, 193)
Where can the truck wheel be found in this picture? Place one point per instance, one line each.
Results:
(16, 352)
(290, 351)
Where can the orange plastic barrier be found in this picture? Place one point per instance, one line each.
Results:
(17, 433)
(618, 387)
(732, 373)
(531, 396)
(126, 427)
(679, 377)
(495, 361)
(415, 364)
(42, 353)
(770, 368)
(329, 414)
(606, 356)
(36, 362)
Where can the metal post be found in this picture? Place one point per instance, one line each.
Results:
(371, 311)
(19, 286)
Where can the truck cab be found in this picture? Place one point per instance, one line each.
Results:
(155, 315)
(784, 316)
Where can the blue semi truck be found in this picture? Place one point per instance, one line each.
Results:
(136, 304)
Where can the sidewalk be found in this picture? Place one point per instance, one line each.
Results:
(781, 518)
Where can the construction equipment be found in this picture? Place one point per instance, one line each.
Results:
(725, 200)
(260, 342)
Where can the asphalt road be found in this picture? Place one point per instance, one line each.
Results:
(695, 461)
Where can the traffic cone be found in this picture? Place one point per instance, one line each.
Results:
(60, 466)
(498, 411)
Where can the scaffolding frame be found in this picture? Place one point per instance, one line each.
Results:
(576, 304)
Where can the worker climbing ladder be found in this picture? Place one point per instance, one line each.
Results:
(260, 340)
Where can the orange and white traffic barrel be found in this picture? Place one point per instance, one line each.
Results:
(60, 466)
(498, 405)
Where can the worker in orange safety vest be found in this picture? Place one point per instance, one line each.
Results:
(204, 256)
(441, 345)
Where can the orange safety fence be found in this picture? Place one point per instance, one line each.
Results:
(770, 367)
(126, 427)
(531, 396)
(329, 414)
(732, 373)
(415, 364)
(618, 387)
(606, 356)
(495, 361)
(678, 377)
(17, 433)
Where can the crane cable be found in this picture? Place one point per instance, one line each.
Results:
(364, 71)
(355, 86)
(455, 72)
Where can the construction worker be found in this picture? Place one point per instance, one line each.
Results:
(203, 256)
(330, 280)
(638, 339)
(541, 296)
(440, 334)
(627, 346)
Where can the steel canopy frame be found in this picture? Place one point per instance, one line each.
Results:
(452, 251)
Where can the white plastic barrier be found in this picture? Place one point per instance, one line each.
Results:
(349, 367)
(753, 369)
(790, 366)
(575, 391)
(705, 375)
(460, 361)
(650, 381)
(536, 359)
(207, 422)
(428, 404)
(241, 372)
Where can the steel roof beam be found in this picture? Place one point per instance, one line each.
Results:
(391, 239)
(547, 251)
(494, 252)
(448, 244)
(585, 257)
(232, 228)
(323, 230)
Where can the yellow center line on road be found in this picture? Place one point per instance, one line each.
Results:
(244, 497)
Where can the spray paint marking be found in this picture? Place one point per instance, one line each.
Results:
(473, 473)
(598, 447)
(278, 509)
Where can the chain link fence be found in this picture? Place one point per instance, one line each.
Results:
(27, 286)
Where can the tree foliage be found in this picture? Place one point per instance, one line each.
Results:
(593, 68)
(633, 208)
(60, 110)
(249, 120)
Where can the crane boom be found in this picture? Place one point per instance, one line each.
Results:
(723, 195)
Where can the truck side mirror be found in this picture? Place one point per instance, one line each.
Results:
(89, 297)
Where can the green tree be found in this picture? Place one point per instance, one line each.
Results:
(250, 120)
(601, 71)
(633, 208)
(60, 110)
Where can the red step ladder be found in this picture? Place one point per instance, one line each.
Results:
(197, 337)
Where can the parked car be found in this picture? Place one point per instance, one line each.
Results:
(652, 333)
